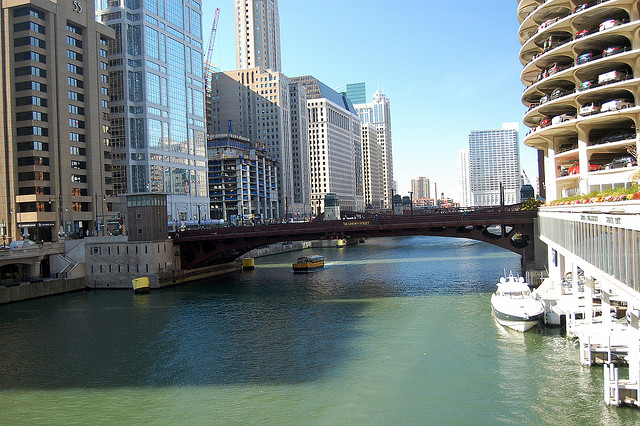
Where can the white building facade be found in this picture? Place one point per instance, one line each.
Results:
(373, 167)
(466, 200)
(378, 112)
(494, 166)
(335, 147)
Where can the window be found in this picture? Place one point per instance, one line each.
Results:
(74, 28)
(33, 146)
(74, 42)
(28, 26)
(31, 85)
(31, 100)
(31, 70)
(71, 54)
(33, 41)
(30, 56)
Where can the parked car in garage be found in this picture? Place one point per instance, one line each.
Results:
(582, 33)
(616, 104)
(619, 162)
(613, 50)
(545, 122)
(575, 169)
(560, 92)
(613, 76)
(562, 118)
(567, 147)
(586, 57)
(590, 108)
(589, 84)
(617, 136)
(610, 23)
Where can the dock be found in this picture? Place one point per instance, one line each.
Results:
(596, 318)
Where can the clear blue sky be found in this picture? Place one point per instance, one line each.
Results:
(447, 68)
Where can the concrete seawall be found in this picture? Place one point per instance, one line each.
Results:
(34, 290)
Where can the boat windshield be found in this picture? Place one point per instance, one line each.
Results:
(518, 294)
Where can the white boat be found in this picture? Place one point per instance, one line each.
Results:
(514, 306)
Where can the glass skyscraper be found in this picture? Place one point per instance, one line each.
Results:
(157, 108)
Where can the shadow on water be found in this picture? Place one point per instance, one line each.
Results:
(265, 327)
(203, 334)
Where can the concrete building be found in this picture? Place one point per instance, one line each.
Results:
(335, 147)
(378, 112)
(112, 262)
(56, 167)
(243, 180)
(257, 24)
(466, 200)
(583, 113)
(420, 188)
(494, 166)
(373, 167)
(157, 105)
(265, 107)
(301, 205)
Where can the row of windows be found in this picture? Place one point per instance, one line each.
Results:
(28, 26)
(30, 40)
(30, 56)
(31, 70)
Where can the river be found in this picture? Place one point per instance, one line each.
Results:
(393, 331)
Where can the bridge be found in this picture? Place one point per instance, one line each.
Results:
(506, 227)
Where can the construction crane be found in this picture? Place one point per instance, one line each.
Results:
(208, 66)
(526, 178)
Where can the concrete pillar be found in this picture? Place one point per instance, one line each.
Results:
(35, 273)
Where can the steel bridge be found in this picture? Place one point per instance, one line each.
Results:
(506, 227)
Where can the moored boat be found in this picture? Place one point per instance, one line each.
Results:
(308, 263)
(514, 306)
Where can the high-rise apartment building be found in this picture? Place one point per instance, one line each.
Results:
(494, 166)
(335, 146)
(55, 171)
(257, 24)
(157, 105)
(466, 200)
(372, 167)
(378, 112)
(420, 188)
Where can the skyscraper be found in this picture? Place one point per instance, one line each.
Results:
(494, 164)
(466, 200)
(157, 102)
(257, 24)
(335, 146)
(356, 92)
(420, 188)
(378, 112)
(372, 163)
(55, 171)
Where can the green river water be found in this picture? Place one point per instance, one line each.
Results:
(393, 331)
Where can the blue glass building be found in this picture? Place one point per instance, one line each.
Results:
(157, 108)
